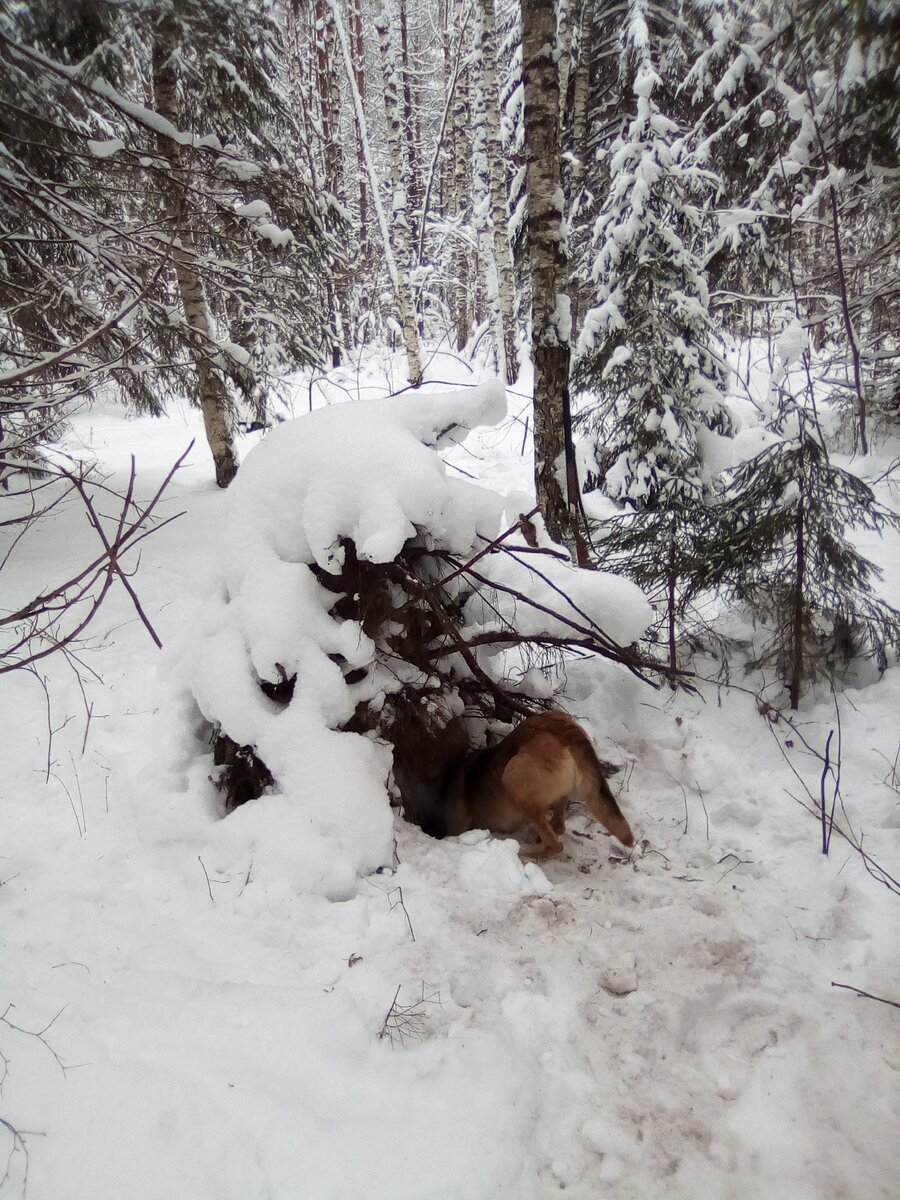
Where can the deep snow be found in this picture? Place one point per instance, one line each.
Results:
(653, 1024)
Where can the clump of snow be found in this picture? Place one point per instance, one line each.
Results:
(254, 208)
(237, 353)
(792, 343)
(105, 149)
(274, 233)
(361, 472)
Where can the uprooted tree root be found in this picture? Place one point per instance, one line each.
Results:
(412, 609)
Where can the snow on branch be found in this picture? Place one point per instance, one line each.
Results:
(366, 591)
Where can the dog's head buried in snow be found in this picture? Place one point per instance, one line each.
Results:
(527, 780)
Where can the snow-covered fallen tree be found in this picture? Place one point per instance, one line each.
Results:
(369, 602)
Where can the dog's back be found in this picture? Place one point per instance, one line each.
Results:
(528, 778)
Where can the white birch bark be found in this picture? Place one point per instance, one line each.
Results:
(329, 133)
(563, 55)
(358, 58)
(481, 210)
(502, 252)
(215, 403)
(399, 274)
(580, 94)
(459, 190)
(410, 114)
(400, 228)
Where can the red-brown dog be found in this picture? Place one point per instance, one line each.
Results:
(527, 780)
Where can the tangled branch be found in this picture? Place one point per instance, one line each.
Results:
(54, 620)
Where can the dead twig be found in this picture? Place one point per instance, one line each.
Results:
(40, 1034)
(874, 868)
(866, 995)
(37, 624)
(405, 1022)
(206, 876)
(398, 891)
(492, 545)
(19, 1146)
(826, 771)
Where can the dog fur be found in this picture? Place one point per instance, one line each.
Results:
(527, 780)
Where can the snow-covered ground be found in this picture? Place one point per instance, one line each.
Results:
(658, 1023)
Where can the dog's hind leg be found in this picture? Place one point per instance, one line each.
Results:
(537, 781)
(548, 847)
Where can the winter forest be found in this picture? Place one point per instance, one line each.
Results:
(375, 377)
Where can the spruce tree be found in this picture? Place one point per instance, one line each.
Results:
(800, 109)
(785, 552)
(649, 364)
(647, 354)
(671, 549)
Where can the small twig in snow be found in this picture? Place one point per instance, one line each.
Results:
(64, 787)
(399, 901)
(703, 802)
(206, 875)
(867, 995)
(405, 1021)
(18, 1146)
(826, 771)
(738, 862)
(39, 1033)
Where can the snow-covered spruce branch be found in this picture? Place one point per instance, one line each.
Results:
(12, 378)
(849, 328)
(592, 637)
(35, 630)
(150, 120)
(589, 637)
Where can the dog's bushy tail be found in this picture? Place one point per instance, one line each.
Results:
(596, 794)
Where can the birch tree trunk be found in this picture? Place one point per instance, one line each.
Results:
(215, 403)
(459, 198)
(564, 35)
(329, 132)
(400, 229)
(358, 57)
(445, 164)
(580, 95)
(506, 280)
(481, 213)
(410, 116)
(553, 453)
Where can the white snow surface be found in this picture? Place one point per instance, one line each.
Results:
(645, 1025)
